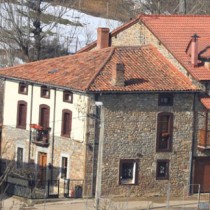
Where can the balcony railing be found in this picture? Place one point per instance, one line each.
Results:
(204, 139)
(40, 136)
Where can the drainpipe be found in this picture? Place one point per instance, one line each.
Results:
(53, 135)
(206, 120)
(30, 134)
(193, 143)
(206, 127)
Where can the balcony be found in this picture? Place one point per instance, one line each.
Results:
(204, 140)
(40, 136)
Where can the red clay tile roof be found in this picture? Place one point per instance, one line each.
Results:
(175, 31)
(145, 70)
(73, 71)
(205, 101)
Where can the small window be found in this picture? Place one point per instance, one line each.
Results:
(128, 172)
(162, 171)
(44, 116)
(165, 100)
(19, 157)
(45, 92)
(164, 132)
(23, 88)
(66, 123)
(64, 167)
(68, 96)
(21, 114)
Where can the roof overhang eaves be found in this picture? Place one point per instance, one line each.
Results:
(148, 91)
(42, 84)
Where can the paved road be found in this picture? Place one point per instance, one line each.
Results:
(12, 203)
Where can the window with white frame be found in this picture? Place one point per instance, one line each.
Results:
(128, 171)
(64, 167)
(19, 157)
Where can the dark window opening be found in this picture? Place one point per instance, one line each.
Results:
(128, 172)
(162, 171)
(165, 100)
(44, 115)
(164, 132)
(19, 157)
(68, 96)
(66, 123)
(23, 88)
(45, 92)
(21, 114)
(64, 167)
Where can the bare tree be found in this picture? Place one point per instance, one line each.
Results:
(26, 24)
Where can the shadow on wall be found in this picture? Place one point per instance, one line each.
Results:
(30, 180)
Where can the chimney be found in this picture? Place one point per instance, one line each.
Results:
(207, 65)
(118, 70)
(102, 38)
(194, 50)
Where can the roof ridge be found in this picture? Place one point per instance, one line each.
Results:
(101, 67)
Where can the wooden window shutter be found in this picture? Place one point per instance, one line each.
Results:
(44, 116)
(164, 132)
(21, 114)
(66, 123)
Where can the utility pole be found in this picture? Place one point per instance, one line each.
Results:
(100, 155)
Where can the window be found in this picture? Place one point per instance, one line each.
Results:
(44, 115)
(66, 123)
(128, 172)
(64, 167)
(165, 100)
(19, 157)
(21, 114)
(45, 92)
(164, 132)
(23, 88)
(68, 96)
(162, 171)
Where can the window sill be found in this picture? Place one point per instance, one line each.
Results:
(47, 97)
(128, 184)
(164, 178)
(65, 136)
(166, 150)
(21, 127)
(70, 102)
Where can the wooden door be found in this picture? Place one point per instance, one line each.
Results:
(202, 174)
(42, 161)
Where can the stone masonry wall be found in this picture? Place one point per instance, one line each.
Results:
(130, 133)
(73, 149)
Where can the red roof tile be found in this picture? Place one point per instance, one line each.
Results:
(73, 71)
(175, 31)
(205, 101)
(145, 70)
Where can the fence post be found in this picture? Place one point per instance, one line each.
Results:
(58, 186)
(199, 189)
(168, 196)
(48, 188)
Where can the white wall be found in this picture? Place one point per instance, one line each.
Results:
(78, 108)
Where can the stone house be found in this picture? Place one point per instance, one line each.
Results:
(184, 42)
(152, 126)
